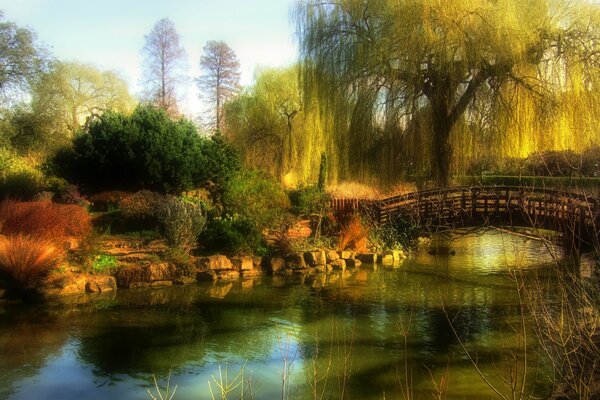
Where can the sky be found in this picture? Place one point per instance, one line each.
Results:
(110, 33)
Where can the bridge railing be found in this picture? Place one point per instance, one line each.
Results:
(450, 206)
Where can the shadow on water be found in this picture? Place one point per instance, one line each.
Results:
(110, 347)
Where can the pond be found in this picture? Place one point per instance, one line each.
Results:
(371, 333)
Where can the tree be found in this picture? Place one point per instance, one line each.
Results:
(64, 100)
(220, 79)
(276, 133)
(145, 150)
(165, 61)
(395, 66)
(21, 59)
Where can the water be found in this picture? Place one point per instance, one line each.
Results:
(366, 334)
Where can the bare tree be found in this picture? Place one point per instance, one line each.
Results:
(220, 79)
(164, 66)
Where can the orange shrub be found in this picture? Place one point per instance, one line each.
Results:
(44, 219)
(353, 235)
(27, 259)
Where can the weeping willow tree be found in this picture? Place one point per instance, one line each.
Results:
(274, 129)
(405, 81)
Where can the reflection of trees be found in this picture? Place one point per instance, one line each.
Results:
(27, 339)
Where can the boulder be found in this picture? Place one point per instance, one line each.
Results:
(276, 265)
(251, 273)
(100, 284)
(228, 275)
(243, 263)
(161, 283)
(205, 276)
(295, 261)
(314, 258)
(215, 263)
(71, 284)
(184, 280)
(258, 262)
(353, 263)
(338, 265)
(367, 258)
(332, 255)
(321, 268)
(387, 259)
(144, 275)
(347, 254)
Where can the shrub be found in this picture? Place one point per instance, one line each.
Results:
(103, 263)
(44, 219)
(182, 222)
(353, 234)
(26, 259)
(255, 198)
(397, 234)
(18, 177)
(234, 237)
(146, 150)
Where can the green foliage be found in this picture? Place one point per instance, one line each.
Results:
(310, 200)
(322, 173)
(394, 235)
(258, 200)
(182, 222)
(18, 177)
(146, 150)
(104, 263)
(234, 237)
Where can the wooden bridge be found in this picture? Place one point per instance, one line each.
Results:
(576, 216)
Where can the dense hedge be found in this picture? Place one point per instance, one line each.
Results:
(145, 150)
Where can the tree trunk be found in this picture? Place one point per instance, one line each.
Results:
(441, 149)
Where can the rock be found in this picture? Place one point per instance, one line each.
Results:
(387, 259)
(161, 283)
(205, 276)
(243, 263)
(251, 273)
(332, 255)
(321, 268)
(257, 262)
(184, 280)
(215, 263)
(338, 265)
(295, 261)
(144, 275)
(353, 263)
(229, 275)
(314, 258)
(367, 258)
(276, 265)
(346, 254)
(100, 284)
(71, 284)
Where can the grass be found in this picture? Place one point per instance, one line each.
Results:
(26, 259)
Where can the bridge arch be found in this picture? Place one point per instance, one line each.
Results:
(576, 216)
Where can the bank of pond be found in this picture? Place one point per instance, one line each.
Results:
(424, 328)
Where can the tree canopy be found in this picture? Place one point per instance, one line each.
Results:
(21, 58)
(165, 62)
(220, 79)
(64, 100)
(396, 68)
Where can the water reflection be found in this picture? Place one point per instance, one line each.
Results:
(340, 333)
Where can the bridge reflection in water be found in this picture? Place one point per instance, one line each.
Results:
(575, 216)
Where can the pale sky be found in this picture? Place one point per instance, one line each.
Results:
(110, 33)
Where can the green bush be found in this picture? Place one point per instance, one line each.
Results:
(182, 222)
(396, 234)
(255, 198)
(103, 263)
(234, 237)
(19, 179)
(145, 150)
(309, 201)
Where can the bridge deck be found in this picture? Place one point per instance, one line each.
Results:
(573, 214)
